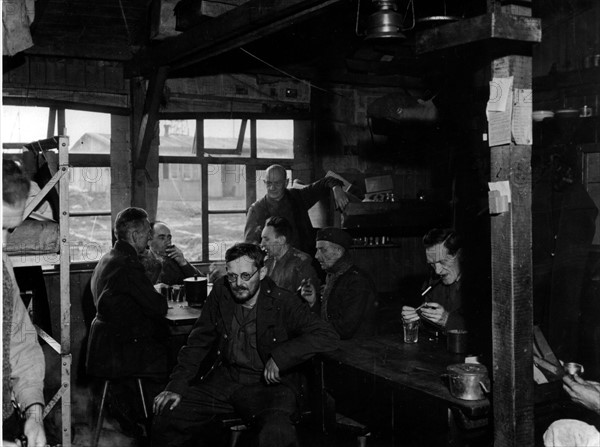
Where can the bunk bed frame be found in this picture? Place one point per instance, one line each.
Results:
(60, 177)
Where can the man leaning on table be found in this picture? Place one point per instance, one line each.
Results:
(444, 308)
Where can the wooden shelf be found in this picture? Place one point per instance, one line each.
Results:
(405, 216)
(582, 77)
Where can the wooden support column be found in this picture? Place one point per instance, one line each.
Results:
(120, 162)
(146, 103)
(512, 300)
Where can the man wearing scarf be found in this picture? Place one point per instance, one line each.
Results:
(348, 298)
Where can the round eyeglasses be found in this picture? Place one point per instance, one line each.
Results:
(232, 277)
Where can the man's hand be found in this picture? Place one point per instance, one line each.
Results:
(583, 392)
(409, 314)
(308, 291)
(271, 372)
(176, 254)
(165, 398)
(34, 426)
(435, 313)
(340, 197)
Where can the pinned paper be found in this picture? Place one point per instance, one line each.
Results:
(499, 111)
(500, 91)
(499, 197)
(503, 187)
(521, 119)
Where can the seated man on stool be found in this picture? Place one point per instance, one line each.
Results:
(348, 300)
(129, 335)
(174, 267)
(260, 334)
(286, 265)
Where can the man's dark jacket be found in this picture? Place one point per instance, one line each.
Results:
(285, 330)
(352, 302)
(129, 331)
(301, 200)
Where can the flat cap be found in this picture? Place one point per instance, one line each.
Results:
(335, 235)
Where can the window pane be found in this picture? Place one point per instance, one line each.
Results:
(88, 132)
(275, 138)
(221, 137)
(226, 187)
(24, 124)
(90, 237)
(224, 230)
(261, 175)
(180, 206)
(89, 189)
(177, 137)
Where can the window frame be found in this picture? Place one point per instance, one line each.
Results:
(203, 158)
(57, 120)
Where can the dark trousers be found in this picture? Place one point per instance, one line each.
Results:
(268, 408)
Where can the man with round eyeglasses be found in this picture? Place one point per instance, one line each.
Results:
(244, 356)
(292, 204)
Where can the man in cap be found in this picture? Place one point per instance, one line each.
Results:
(293, 204)
(348, 299)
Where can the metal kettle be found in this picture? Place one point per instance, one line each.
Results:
(468, 381)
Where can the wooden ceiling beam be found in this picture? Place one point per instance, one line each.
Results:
(477, 29)
(240, 26)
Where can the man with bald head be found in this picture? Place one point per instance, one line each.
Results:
(292, 204)
(175, 268)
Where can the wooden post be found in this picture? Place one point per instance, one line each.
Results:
(146, 104)
(120, 162)
(512, 300)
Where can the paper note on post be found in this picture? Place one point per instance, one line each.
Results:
(500, 91)
(502, 187)
(521, 119)
(499, 111)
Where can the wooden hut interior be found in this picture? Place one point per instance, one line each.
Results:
(481, 116)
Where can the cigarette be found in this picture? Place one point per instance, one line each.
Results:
(426, 291)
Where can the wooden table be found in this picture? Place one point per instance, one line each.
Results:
(405, 372)
(180, 314)
(181, 318)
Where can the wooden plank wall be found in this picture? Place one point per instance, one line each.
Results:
(92, 83)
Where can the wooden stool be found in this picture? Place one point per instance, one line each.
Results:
(103, 402)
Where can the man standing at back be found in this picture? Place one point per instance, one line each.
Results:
(292, 204)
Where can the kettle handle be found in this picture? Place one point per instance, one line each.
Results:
(485, 388)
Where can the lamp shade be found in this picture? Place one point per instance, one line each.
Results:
(385, 23)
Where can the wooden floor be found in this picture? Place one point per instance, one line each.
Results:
(308, 434)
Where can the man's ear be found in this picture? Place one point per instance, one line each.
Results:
(263, 272)
(287, 182)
